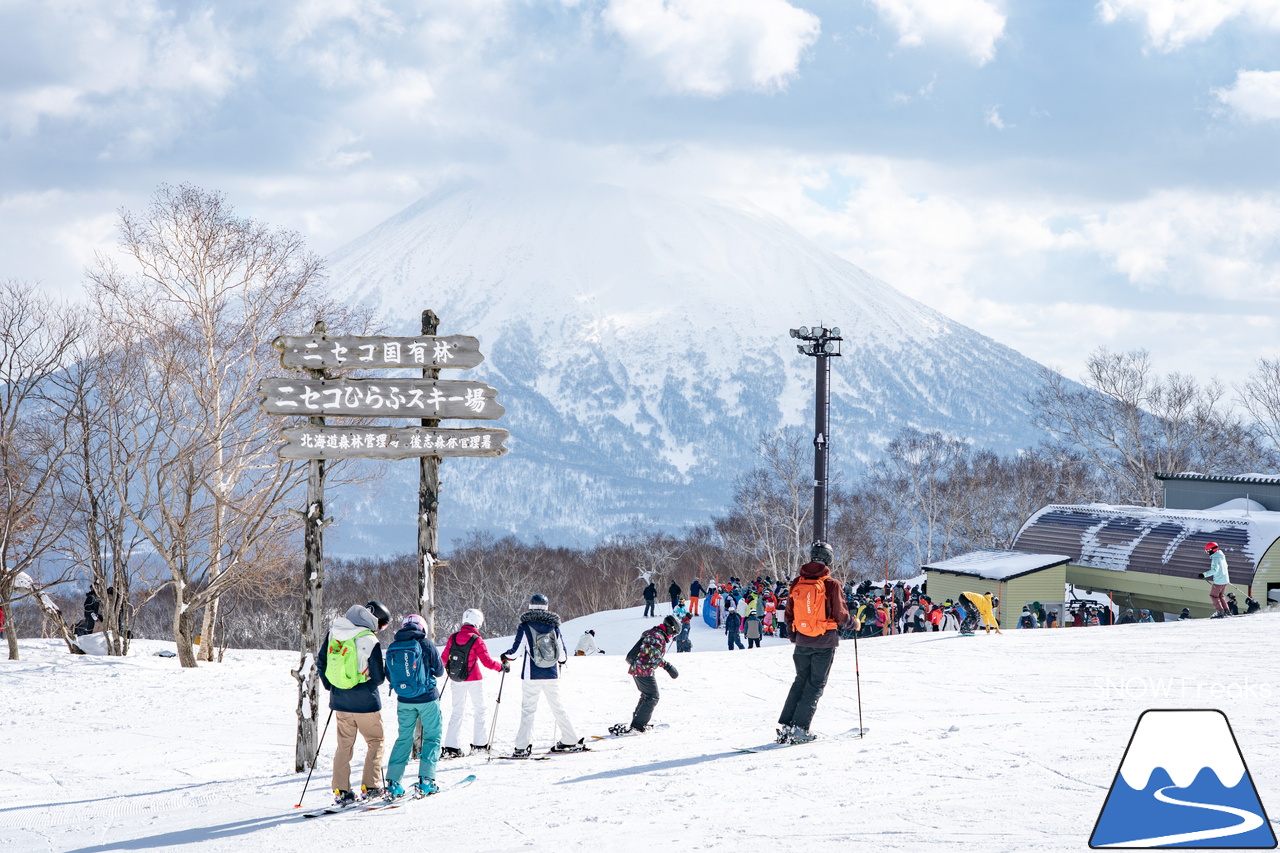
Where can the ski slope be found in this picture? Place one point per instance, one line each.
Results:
(1003, 742)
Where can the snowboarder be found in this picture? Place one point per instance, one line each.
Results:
(587, 645)
(983, 605)
(815, 611)
(351, 669)
(647, 655)
(1218, 578)
(465, 652)
(650, 597)
(674, 592)
(413, 665)
(542, 645)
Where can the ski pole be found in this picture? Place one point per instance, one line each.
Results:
(857, 675)
(493, 727)
(314, 759)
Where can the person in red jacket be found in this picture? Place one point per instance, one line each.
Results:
(815, 613)
(464, 653)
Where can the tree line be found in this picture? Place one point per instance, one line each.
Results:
(135, 460)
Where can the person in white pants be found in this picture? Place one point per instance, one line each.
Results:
(542, 645)
(464, 654)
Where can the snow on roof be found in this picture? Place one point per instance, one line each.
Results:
(1108, 536)
(1251, 477)
(997, 565)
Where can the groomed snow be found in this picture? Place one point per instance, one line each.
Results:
(990, 743)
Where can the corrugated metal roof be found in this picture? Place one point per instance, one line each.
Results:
(1163, 542)
(1254, 479)
(997, 565)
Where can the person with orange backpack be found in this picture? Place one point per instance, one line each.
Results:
(815, 613)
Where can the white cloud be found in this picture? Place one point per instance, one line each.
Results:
(992, 117)
(709, 47)
(1172, 24)
(1255, 95)
(974, 26)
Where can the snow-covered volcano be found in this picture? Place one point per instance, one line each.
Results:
(639, 342)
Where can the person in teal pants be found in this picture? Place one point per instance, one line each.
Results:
(420, 704)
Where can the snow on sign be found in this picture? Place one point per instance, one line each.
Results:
(390, 443)
(386, 398)
(345, 351)
(1183, 783)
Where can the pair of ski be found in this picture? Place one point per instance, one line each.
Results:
(544, 756)
(769, 747)
(361, 806)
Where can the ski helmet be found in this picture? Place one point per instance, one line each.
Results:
(820, 552)
(538, 602)
(380, 612)
(1211, 547)
(671, 624)
(473, 617)
(416, 621)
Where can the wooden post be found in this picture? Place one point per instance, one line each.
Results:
(312, 633)
(428, 506)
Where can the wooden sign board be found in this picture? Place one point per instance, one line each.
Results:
(391, 442)
(381, 398)
(425, 351)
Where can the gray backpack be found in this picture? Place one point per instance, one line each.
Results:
(546, 652)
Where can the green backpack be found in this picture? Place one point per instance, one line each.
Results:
(342, 662)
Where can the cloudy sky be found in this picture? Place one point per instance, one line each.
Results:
(1056, 175)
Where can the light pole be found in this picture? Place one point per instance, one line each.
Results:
(822, 344)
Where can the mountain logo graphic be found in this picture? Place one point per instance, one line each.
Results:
(1183, 783)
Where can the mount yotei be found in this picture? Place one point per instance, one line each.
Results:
(639, 344)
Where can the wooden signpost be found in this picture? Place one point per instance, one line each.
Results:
(428, 400)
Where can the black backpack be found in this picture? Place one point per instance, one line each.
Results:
(458, 665)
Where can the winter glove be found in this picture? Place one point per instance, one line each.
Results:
(506, 667)
(671, 670)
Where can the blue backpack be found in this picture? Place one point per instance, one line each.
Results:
(407, 671)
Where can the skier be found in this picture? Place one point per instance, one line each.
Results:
(587, 645)
(647, 655)
(542, 645)
(413, 665)
(650, 596)
(815, 611)
(1218, 578)
(731, 625)
(695, 592)
(976, 604)
(351, 669)
(466, 652)
(674, 592)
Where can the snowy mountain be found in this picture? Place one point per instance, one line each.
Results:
(639, 342)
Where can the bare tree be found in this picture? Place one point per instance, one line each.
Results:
(37, 341)
(1260, 397)
(772, 507)
(204, 295)
(1131, 423)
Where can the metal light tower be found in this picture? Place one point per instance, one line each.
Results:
(821, 343)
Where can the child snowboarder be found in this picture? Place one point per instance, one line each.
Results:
(645, 657)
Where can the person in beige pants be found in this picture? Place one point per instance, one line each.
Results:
(352, 656)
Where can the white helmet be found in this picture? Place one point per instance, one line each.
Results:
(473, 617)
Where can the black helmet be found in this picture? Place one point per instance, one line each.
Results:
(538, 602)
(671, 624)
(820, 552)
(380, 612)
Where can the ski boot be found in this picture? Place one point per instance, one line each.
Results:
(451, 752)
(570, 747)
(425, 787)
(367, 793)
(342, 799)
(784, 733)
(475, 747)
(394, 791)
(522, 751)
(799, 735)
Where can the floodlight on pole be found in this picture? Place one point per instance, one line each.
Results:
(824, 344)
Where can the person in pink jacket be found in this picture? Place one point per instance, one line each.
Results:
(464, 653)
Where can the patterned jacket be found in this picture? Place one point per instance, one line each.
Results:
(653, 652)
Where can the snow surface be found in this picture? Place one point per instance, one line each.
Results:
(990, 743)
